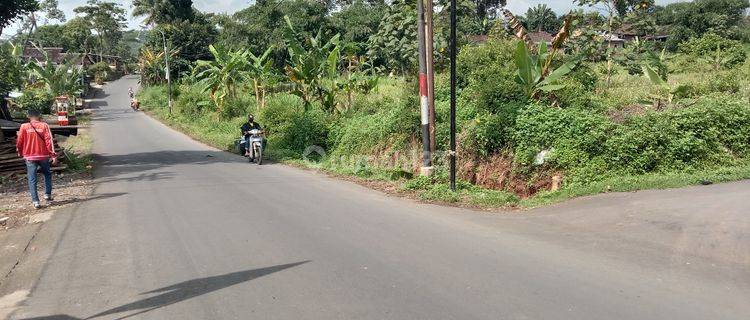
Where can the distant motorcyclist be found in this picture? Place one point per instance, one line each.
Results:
(131, 94)
(246, 128)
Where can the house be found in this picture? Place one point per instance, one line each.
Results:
(59, 56)
(538, 37)
(614, 41)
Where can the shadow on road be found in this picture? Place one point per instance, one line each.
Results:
(111, 165)
(181, 291)
(78, 200)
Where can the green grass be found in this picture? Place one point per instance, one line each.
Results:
(77, 150)
(642, 182)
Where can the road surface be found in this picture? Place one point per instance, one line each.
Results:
(177, 230)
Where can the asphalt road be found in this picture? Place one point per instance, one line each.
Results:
(177, 230)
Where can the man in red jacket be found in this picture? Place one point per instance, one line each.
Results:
(34, 144)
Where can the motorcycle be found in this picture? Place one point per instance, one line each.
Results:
(135, 105)
(255, 150)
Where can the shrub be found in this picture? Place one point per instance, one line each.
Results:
(100, 71)
(279, 113)
(306, 129)
(36, 99)
(489, 133)
(389, 128)
(153, 97)
(731, 52)
(487, 73)
(573, 135)
(192, 101)
(710, 133)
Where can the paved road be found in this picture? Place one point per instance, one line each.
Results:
(181, 231)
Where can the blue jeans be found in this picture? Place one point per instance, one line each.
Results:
(31, 168)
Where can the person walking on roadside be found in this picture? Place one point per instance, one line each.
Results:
(34, 144)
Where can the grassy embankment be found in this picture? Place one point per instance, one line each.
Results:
(622, 138)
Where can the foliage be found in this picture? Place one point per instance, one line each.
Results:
(262, 74)
(541, 18)
(395, 43)
(262, 26)
(722, 17)
(12, 9)
(586, 41)
(38, 99)
(533, 74)
(486, 74)
(108, 19)
(159, 12)
(313, 70)
(100, 71)
(356, 22)
(720, 51)
(11, 70)
(189, 38)
(665, 90)
(59, 80)
(152, 65)
(222, 75)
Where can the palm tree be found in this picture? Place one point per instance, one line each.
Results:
(541, 18)
(222, 75)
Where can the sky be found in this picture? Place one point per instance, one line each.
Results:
(230, 6)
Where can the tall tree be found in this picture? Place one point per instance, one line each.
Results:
(163, 11)
(356, 22)
(107, 19)
(10, 10)
(541, 18)
(78, 36)
(47, 11)
(486, 8)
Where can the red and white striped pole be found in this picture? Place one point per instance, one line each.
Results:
(424, 104)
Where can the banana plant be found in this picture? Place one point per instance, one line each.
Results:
(152, 64)
(224, 74)
(534, 71)
(666, 91)
(262, 75)
(59, 80)
(313, 70)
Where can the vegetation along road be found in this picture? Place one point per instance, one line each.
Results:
(178, 230)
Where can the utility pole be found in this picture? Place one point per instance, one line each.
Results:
(430, 50)
(426, 169)
(169, 77)
(453, 96)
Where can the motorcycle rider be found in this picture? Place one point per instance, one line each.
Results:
(245, 128)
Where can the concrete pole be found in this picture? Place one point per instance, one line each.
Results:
(423, 101)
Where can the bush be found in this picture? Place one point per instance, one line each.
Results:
(711, 133)
(487, 73)
(364, 134)
(731, 52)
(489, 133)
(36, 99)
(153, 97)
(727, 82)
(306, 129)
(192, 101)
(279, 113)
(100, 71)
(574, 136)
